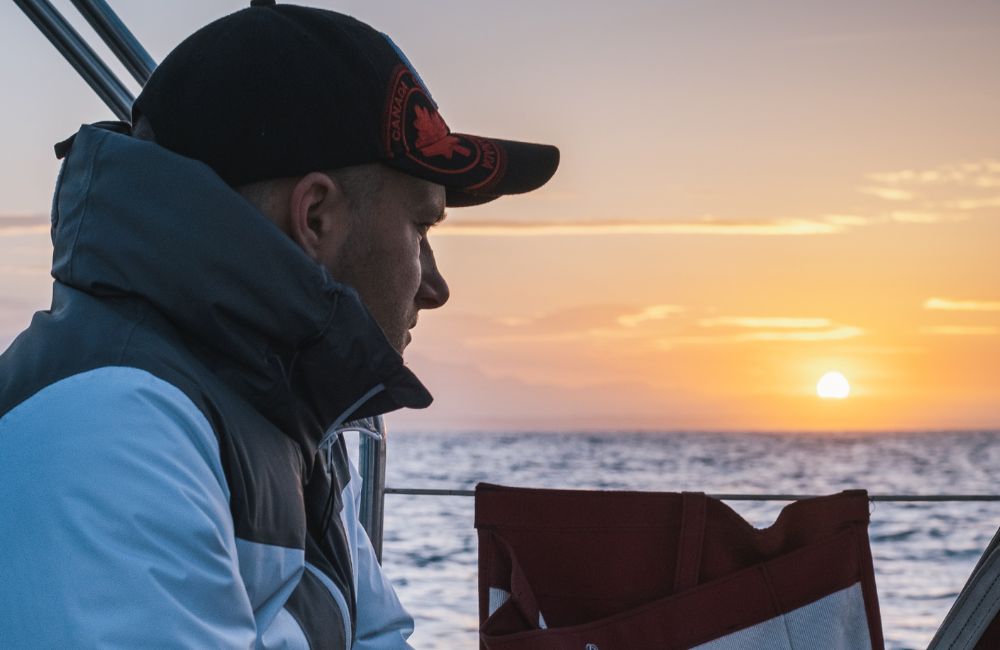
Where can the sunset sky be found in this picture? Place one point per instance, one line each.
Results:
(750, 195)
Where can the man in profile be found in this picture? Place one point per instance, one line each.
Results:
(236, 278)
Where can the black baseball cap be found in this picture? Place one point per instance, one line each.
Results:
(281, 90)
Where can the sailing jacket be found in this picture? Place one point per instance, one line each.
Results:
(171, 466)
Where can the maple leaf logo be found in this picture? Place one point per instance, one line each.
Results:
(433, 138)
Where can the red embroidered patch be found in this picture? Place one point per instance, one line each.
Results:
(415, 134)
(433, 137)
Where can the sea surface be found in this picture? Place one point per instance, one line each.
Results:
(923, 552)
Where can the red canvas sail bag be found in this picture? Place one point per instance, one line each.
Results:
(586, 570)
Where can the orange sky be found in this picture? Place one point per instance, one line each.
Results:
(750, 196)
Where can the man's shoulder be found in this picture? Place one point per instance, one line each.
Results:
(111, 406)
(82, 333)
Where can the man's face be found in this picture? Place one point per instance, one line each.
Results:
(387, 257)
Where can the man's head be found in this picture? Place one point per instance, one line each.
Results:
(368, 226)
(323, 124)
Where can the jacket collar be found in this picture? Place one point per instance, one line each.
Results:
(132, 218)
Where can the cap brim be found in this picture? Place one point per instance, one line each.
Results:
(475, 170)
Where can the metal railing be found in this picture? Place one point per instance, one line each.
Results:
(374, 480)
(741, 497)
(84, 59)
(117, 36)
(371, 461)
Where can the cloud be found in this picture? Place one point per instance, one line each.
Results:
(982, 174)
(8, 270)
(930, 195)
(597, 323)
(907, 176)
(847, 220)
(975, 204)
(960, 330)
(9, 304)
(771, 329)
(469, 398)
(896, 216)
(11, 226)
(887, 193)
(765, 322)
(838, 333)
(832, 334)
(830, 224)
(961, 187)
(584, 322)
(781, 227)
(944, 304)
(910, 216)
(654, 312)
(545, 337)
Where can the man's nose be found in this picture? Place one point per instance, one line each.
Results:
(434, 290)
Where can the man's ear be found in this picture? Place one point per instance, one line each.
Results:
(319, 215)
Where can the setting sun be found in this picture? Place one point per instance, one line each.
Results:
(833, 385)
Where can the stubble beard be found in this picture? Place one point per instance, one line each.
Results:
(359, 267)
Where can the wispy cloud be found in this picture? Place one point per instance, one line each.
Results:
(907, 176)
(598, 328)
(839, 333)
(945, 194)
(961, 187)
(765, 322)
(912, 216)
(974, 204)
(780, 328)
(585, 322)
(654, 312)
(829, 224)
(887, 193)
(786, 227)
(11, 226)
(7, 270)
(945, 304)
(773, 328)
(831, 334)
(961, 330)
(847, 220)
(981, 174)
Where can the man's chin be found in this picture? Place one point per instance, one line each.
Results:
(399, 343)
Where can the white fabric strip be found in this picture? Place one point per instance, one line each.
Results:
(834, 622)
(497, 598)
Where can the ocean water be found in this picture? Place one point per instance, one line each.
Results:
(923, 552)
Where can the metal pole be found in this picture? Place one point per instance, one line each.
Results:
(898, 498)
(83, 59)
(117, 36)
(371, 457)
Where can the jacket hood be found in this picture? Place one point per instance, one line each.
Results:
(131, 218)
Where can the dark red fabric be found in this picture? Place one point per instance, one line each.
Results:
(990, 640)
(641, 570)
(692, 535)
